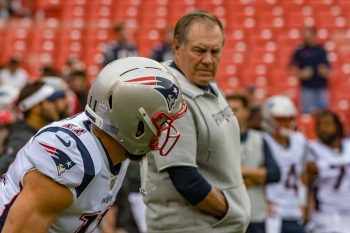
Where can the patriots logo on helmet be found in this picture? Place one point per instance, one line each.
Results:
(270, 104)
(164, 86)
(61, 159)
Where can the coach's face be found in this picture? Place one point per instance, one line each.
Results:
(199, 57)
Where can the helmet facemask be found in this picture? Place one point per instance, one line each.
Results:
(166, 135)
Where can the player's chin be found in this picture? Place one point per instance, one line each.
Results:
(134, 157)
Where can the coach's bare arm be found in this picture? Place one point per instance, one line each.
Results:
(37, 205)
(214, 203)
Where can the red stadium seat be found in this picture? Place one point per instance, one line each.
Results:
(260, 38)
(318, 5)
(297, 19)
(326, 20)
(270, 20)
(306, 124)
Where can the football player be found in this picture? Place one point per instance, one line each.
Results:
(289, 149)
(329, 176)
(258, 166)
(68, 175)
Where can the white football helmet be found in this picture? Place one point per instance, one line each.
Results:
(8, 110)
(135, 100)
(275, 107)
(8, 95)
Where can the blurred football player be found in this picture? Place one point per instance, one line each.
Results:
(328, 172)
(67, 176)
(8, 112)
(258, 165)
(289, 150)
(37, 103)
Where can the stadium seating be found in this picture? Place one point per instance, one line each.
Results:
(260, 37)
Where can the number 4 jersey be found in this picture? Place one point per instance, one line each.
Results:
(285, 194)
(71, 155)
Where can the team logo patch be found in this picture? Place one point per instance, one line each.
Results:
(270, 105)
(75, 129)
(165, 87)
(107, 199)
(61, 159)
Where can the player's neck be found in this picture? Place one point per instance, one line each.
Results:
(284, 141)
(115, 151)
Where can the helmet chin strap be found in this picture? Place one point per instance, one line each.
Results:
(144, 173)
(144, 161)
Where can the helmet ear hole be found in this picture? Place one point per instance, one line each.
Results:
(140, 129)
(110, 99)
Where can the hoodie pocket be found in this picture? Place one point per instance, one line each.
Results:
(238, 215)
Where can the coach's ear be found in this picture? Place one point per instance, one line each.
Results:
(176, 46)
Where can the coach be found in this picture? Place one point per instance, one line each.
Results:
(198, 186)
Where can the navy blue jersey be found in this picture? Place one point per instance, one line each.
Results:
(311, 56)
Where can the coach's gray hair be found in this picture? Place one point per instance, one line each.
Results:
(184, 24)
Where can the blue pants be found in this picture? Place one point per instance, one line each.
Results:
(292, 226)
(256, 228)
(313, 99)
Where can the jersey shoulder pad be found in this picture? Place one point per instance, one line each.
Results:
(299, 137)
(256, 133)
(62, 156)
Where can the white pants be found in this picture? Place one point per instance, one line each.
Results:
(329, 223)
(273, 224)
(138, 209)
